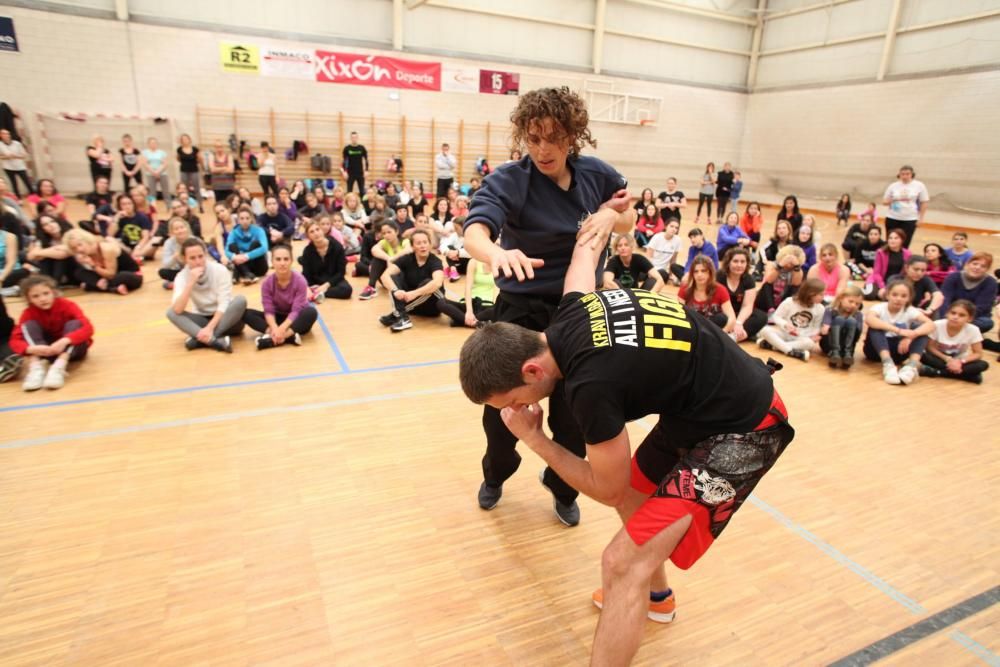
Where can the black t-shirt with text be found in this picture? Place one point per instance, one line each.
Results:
(355, 157)
(625, 354)
(413, 273)
(674, 197)
(633, 275)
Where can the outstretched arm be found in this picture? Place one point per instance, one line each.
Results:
(581, 274)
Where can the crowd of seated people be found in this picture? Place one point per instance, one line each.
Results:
(777, 285)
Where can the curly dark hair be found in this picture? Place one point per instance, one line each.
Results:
(566, 109)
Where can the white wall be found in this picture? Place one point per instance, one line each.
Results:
(177, 69)
(819, 143)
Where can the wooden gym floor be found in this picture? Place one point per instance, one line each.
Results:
(316, 506)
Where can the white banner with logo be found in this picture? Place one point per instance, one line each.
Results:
(459, 79)
(286, 63)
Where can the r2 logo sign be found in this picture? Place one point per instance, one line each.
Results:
(239, 55)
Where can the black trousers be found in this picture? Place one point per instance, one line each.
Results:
(168, 274)
(302, 324)
(12, 176)
(702, 200)
(909, 227)
(60, 269)
(375, 270)
(969, 370)
(501, 459)
(269, 184)
(353, 178)
(720, 208)
(89, 279)
(341, 290)
(675, 269)
(15, 277)
(443, 185)
(254, 267)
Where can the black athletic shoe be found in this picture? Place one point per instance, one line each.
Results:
(193, 343)
(10, 367)
(764, 345)
(489, 496)
(223, 344)
(402, 324)
(389, 319)
(569, 515)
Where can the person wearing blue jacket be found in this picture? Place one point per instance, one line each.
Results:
(278, 226)
(700, 246)
(731, 234)
(246, 248)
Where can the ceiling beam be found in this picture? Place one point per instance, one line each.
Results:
(600, 11)
(890, 40)
(758, 36)
(695, 11)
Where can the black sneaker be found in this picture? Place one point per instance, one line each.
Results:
(834, 360)
(10, 367)
(223, 344)
(193, 343)
(389, 319)
(569, 515)
(764, 345)
(489, 496)
(799, 354)
(402, 324)
(295, 340)
(928, 371)
(264, 342)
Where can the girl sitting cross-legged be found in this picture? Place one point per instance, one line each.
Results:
(287, 314)
(796, 323)
(897, 333)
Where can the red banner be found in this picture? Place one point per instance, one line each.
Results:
(499, 83)
(361, 70)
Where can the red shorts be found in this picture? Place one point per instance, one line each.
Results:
(701, 485)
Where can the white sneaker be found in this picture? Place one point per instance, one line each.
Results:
(890, 374)
(907, 374)
(56, 377)
(36, 376)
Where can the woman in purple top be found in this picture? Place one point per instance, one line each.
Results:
(287, 312)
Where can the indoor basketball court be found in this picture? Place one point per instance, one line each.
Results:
(316, 504)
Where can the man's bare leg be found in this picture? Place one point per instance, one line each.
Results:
(626, 570)
(633, 501)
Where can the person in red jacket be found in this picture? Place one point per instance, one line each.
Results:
(51, 327)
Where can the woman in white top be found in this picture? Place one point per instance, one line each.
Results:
(267, 170)
(907, 201)
(665, 247)
(13, 155)
(353, 212)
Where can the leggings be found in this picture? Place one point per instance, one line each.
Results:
(443, 185)
(969, 370)
(89, 280)
(877, 342)
(647, 284)
(230, 324)
(302, 323)
(984, 323)
(269, 184)
(13, 175)
(754, 323)
(784, 341)
(702, 200)
(842, 337)
(341, 290)
(60, 269)
(16, 276)
(675, 270)
(168, 274)
(161, 181)
(254, 267)
(35, 335)
(720, 208)
(193, 182)
(129, 181)
(375, 270)
(483, 310)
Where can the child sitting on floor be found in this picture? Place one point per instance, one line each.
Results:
(897, 333)
(842, 324)
(955, 348)
(796, 322)
(51, 329)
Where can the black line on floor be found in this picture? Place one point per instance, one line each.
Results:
(920, 630)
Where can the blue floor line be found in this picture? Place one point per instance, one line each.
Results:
(333, 344)
(226, 416)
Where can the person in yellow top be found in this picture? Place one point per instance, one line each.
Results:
(384, 252)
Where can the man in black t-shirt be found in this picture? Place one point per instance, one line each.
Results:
(99, 206)
(415, 281)
(355, 164)
(620, 355)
